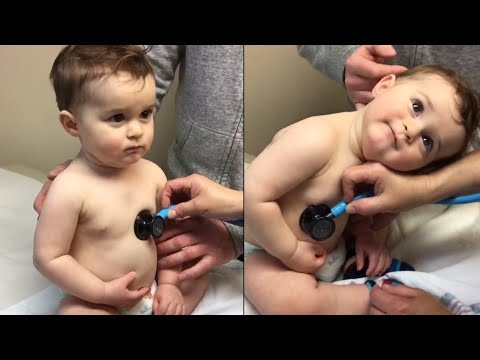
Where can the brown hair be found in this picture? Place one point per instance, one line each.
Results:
(467, 100)
(78, 65)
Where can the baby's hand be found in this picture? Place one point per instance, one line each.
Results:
(379, 258)
(168, 300)
(308, 258)
(117, 293)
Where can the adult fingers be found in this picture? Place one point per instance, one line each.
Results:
(58, 169)
(180, 187)
(200, 268)
(40, 199)
(186, 254)
(175, 244)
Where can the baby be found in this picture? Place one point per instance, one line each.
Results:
(420, 119)
(84, 240)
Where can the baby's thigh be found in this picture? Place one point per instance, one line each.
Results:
(193, 291)
(273, 288)
(71, 305)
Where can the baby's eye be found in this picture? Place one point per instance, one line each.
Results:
(146, 114)
(417, 106)
(427, 142)
(118, 118)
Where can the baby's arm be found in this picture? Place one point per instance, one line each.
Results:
(168, 299)
(295, 155)
(53, 237)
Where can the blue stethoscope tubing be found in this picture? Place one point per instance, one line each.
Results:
(164, 214)
(455, 200)
(341, 207)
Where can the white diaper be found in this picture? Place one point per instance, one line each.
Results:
(328, 272)
(144, 306)
(335, 260)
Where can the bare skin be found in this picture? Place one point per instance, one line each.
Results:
(84, 240)
(304, 165)
(266, 275)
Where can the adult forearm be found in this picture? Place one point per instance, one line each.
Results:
(234, 209)
(460, 177)
(68, 274)
(268, 228)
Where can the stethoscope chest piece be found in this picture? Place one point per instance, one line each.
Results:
(146, 225)
(143, 225)
(317, 221)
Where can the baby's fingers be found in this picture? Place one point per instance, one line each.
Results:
(140, 293)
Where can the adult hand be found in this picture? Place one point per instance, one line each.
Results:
(364, 68)
(404, 300)
(196, 238)
(394, 192)
(198, 195)
(39, 200)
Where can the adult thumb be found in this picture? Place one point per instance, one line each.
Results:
(397, 69)
(365, 206)
(383, 51)
(184, 209)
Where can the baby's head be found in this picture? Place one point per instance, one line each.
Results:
(425, 116)
(106, 97)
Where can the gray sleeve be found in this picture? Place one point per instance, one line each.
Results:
(165, 60)
(236, 234)
(329, 59)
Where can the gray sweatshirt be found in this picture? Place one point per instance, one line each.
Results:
(208, 113)
(464, 59)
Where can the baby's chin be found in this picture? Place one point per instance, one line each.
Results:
(396, 165)
(119, 163)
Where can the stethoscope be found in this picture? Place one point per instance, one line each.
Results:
(147, 225)
(317, 220)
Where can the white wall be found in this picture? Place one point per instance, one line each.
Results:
(281, 88)
(30, 133)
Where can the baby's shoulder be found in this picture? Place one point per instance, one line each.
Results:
(314, 127)
(71, 174)
(148, 165)
(150, 169)
(69, 184)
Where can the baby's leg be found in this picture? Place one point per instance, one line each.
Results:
(71, 305)
(274, 289)
(193, 291)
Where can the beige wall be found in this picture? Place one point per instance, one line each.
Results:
(281, 88)
(30, 133)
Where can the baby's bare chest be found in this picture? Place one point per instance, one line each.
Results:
(109, 208)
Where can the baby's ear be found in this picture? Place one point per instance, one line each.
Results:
(385, 83)
(69, 123)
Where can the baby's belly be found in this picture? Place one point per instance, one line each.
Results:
(111, 258)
